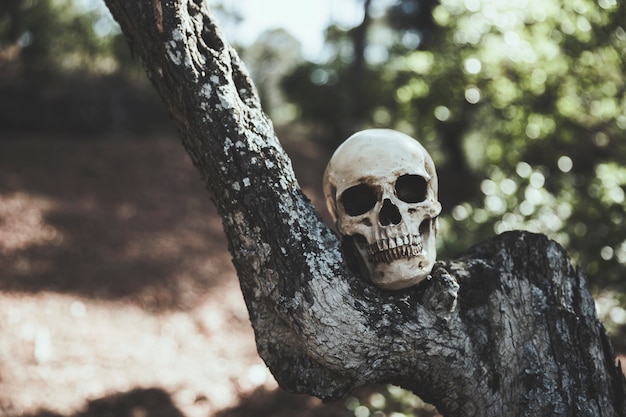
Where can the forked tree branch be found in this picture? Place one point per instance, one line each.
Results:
(509, 329)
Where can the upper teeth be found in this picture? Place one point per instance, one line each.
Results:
(387, 250)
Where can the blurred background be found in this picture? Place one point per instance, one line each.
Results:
(117, 295)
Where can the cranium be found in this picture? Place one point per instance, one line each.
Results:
(381, 190)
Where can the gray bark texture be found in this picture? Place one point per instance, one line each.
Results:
(507, 329)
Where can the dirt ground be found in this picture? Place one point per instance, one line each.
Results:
(117, 293)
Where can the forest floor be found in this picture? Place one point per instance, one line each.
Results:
(117, 292)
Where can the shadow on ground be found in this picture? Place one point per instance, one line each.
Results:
(154, 402)
(151, 402)
(114, 219)
(278, 403)
(374, 400)
(108, 220)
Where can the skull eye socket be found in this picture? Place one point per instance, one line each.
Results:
(411, 188)
(358, 200)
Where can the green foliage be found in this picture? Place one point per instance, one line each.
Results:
(541, 87)
(59, 35)
(326, 98)
(523, 107)
(64, 67)
(324, 92)
(389, 400)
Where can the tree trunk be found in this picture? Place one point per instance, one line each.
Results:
(358, 69)
(507, 329)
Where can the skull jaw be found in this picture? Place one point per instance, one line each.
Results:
(406, 264)
(401, 273)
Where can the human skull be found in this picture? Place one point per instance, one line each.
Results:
(381, 190)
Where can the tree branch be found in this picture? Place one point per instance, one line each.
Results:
(507, 329)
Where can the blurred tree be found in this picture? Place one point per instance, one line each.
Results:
(413, 23)
(336, 96)
(65, 67)
(358, 67)
(522, 105)
(53, 36)
(272, 56)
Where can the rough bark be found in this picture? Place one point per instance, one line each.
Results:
(507, 329)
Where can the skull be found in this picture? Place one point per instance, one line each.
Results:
(381, 190)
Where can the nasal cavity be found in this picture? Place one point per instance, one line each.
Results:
(389, 214)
